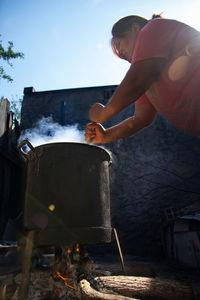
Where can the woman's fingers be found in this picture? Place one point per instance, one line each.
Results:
(90, 133)
(94, 132)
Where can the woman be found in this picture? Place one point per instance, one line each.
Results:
(164, 78)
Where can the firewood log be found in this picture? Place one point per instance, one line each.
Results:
(144, 288)
(89, 293)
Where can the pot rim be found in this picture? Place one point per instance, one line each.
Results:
(54, 144)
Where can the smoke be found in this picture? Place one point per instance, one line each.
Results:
(46, 131)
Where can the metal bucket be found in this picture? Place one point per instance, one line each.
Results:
(67, 196)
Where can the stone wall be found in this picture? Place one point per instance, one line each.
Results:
(156, 168)
(66, 107)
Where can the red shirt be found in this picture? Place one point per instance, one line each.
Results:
(176, 93)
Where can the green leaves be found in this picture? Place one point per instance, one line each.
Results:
(7, 55)
(4, 75)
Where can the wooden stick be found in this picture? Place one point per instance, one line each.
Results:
(26, 265)
(120, 251)
(3, 292)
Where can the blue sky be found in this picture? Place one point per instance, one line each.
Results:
(67, 42)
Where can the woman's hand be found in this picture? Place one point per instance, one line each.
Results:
(96, 113)
(95, 133)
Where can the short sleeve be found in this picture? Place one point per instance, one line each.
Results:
(156, 39)
(142, 99)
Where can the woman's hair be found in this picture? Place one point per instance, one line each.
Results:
(122, 27)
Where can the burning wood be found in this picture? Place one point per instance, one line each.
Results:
(47, 281)
(65, 280)
(45, 285)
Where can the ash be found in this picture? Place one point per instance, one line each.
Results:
(53, 276)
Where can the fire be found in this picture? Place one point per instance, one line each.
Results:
(65, 280)
(77, 248)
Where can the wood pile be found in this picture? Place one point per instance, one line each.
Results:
(94, 283)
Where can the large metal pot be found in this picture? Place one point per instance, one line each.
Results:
(67, 197)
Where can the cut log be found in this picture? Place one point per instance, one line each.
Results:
(133, 268)
(89, 293)
(144, 288)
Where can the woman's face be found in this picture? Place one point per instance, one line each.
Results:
(124, 46)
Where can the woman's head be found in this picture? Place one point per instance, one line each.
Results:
(124, 34)
(124, 25)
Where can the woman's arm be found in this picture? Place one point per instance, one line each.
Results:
(143, 116)
(137, 81)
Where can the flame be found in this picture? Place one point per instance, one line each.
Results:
(65, 280)
(69, 251)
(77, 248)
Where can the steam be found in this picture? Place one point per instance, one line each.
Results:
(46, 131)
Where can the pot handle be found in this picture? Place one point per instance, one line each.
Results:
(109, 163)
(25, 143)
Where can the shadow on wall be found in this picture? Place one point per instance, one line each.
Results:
(156, 168)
